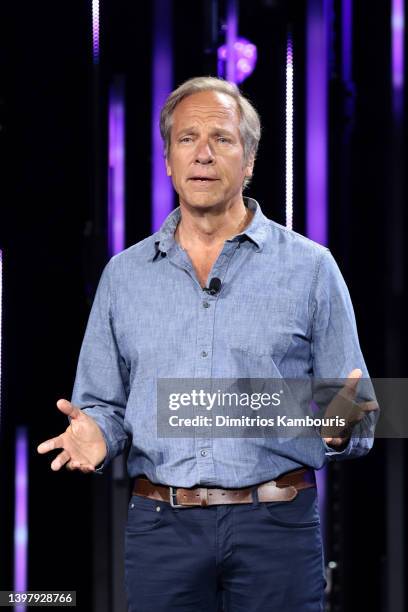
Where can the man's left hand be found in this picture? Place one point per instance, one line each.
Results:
(344, 406)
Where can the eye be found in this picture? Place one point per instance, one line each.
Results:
(186, 139)
(223, 139)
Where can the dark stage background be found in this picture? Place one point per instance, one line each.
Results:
(53, 238)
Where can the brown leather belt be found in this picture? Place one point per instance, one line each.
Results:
(284, 488)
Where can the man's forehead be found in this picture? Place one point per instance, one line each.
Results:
(207, 104)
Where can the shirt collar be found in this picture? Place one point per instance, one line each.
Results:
(256, 230)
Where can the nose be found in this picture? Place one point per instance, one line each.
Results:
(204, 154)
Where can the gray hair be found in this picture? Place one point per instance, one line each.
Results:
(249, 125)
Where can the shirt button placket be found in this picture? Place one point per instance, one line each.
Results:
(205, 333)
(203, 445)
(203, 369)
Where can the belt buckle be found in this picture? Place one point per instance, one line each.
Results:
(173, 496)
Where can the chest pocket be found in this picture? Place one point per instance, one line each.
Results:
(261, 325)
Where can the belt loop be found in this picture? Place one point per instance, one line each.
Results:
(255, 499)
(203, 497)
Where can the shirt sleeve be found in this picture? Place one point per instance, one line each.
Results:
(101, 384)
(336, 350)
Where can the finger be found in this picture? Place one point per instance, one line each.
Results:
(72, 465)
(86, 468)
(67, 408)
(362, 409)
(50, 445)
(370, 406)
(60, 460)
(335, 441)
(350, 385)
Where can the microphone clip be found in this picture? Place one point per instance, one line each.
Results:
(214, 286)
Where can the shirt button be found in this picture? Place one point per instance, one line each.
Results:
(204, 353)
(203, 453)
(206, 305)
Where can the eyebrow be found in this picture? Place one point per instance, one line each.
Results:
(216, 131)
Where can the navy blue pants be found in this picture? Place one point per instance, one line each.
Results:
(257, 557)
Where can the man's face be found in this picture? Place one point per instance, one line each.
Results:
(206, 159)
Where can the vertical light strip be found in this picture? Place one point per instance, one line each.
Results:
(397, 28)
(95, 31)
(20, 513)
(116, 178)
(397, 42)
(397, 596)
(316, 121)
(289, 132)
(316, 151)
(231, 39)
(162, 84)
(347, 40)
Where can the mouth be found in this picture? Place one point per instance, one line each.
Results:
(202, 179)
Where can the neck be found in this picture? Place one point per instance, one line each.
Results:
(209, 228)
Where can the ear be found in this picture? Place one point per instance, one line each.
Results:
(168, 167)
(249, 168)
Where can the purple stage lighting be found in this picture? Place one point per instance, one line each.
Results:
(162, 84)
(316, 121)
(20, 513)
(397, 59)
(316, 148)
(244, 55)
(231, 38)
(347, 40)
(95, 30)
(289, 133)
(398, 28)
(116, 178)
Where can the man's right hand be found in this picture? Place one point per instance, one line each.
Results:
(82, 442)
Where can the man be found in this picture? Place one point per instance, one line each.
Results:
(203, 520)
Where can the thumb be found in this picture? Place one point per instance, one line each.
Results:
(67, 408)
(350, 385)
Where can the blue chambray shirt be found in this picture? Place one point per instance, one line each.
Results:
(283, 311)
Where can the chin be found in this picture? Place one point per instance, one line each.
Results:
(202, 200)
